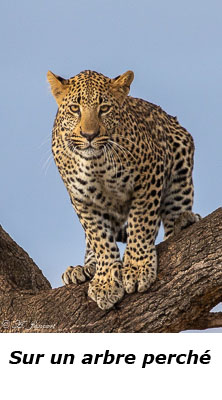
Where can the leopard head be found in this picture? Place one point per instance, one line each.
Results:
(89, 108)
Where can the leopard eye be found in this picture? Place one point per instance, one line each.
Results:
(105, 108)
(74, 108)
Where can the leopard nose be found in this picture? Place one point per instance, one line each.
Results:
(89, 136)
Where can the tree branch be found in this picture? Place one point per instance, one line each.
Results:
(211, 320)
(188, 286)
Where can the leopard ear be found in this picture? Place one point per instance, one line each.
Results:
(121, 85)
(58, 85)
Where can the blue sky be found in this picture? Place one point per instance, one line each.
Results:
(174, 49)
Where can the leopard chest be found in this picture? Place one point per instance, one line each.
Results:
(101, 185)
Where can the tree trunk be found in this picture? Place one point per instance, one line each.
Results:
(188, 286)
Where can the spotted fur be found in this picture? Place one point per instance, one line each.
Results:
(127, 165)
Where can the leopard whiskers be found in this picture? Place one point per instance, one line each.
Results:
(123, 150)
(121, 164)
(47, 162)
(108, 159)
(45, 142)
(105, 154)
(116, 155)
(112, 158)
(48, 154)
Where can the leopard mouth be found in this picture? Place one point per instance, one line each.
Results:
(88, 151)
(87, 148)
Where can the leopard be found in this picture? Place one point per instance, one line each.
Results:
(127, 166)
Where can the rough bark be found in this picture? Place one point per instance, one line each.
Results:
(188, 286)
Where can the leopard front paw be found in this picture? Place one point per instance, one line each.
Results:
(106, 287)
(78, 274)
(138, 277)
